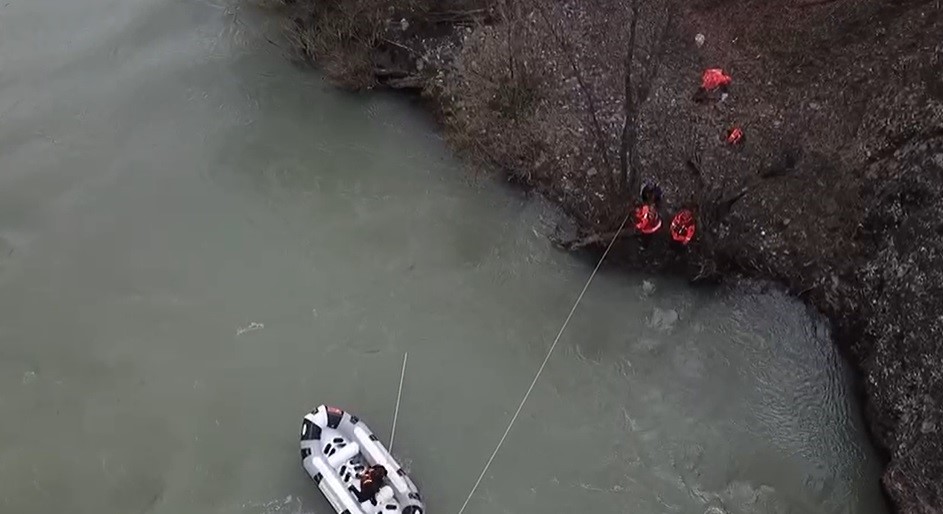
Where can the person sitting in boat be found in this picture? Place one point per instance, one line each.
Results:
(371, 481)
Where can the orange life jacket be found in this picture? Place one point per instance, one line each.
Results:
(647, 220)
(683, 226)
(714, 78)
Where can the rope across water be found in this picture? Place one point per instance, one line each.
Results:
(543, 365)
(399, 396)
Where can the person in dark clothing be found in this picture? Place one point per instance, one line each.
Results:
(651, 194)
(370, 482)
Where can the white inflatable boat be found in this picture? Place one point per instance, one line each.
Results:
(335, 450)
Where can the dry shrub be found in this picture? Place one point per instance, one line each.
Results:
(343, 36)
(340, 35)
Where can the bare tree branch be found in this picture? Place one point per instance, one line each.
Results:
(657, 50)
(637, 92)
(626, 143)
(592, 240)
(591, 103)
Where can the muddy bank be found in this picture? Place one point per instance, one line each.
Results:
(835, 190)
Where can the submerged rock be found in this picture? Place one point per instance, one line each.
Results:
(648, 287)
(663, 319)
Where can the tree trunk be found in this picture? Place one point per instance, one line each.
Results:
(628, 140)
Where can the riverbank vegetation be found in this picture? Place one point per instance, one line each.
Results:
(835, 191)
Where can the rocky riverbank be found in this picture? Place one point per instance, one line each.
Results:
(836, 189)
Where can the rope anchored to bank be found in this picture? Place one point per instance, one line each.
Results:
(543, 364)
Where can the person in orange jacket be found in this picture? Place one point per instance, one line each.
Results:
(647, 219)
(370, 482)
(683, 226)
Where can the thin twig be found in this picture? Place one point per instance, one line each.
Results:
(394, 43)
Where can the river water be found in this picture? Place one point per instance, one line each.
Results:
(200, 242)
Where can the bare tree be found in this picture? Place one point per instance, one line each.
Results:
(510, 21)
(601, 146)
(628, 140)
(640, 70)
(637, 91)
